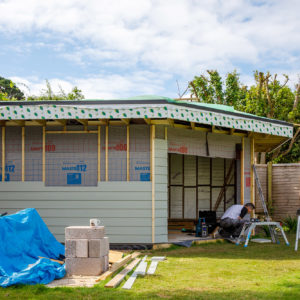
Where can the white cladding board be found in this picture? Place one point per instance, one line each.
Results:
(124, 208)
(191, 142)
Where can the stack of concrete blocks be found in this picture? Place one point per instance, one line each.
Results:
(86, 250)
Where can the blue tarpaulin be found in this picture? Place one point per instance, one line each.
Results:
(24, 237)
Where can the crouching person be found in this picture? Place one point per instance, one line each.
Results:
(233, 220)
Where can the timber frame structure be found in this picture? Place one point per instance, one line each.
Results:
(161, 115)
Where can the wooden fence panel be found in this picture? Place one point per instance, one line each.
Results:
(285, 189)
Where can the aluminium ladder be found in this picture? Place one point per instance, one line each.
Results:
(272, 225)
(262, 199)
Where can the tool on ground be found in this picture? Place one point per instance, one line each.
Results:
(298, 230)
(250, 226)
(201, 228)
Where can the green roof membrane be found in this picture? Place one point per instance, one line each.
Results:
(149, 106)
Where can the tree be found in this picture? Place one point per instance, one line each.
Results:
(48, 94)
(11, 91)
(268, 97)
(273, 99)
(211, 89)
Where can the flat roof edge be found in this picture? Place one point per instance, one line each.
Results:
(150, 101)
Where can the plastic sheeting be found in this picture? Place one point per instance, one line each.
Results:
(24, 237)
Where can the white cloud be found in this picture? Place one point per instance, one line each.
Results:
(176, 37)
(101, 86)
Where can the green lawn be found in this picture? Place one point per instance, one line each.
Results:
(209, 271)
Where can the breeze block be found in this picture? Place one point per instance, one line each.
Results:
(87, 250)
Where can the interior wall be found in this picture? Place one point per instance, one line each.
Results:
(195, 184)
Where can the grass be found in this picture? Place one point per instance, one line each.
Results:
(208, 271)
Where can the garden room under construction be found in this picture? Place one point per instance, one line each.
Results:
(141, 165)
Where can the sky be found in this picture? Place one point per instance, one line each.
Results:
(115, 49)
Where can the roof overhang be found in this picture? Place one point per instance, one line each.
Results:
(268, 133)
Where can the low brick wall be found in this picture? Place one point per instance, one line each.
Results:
(285, 189)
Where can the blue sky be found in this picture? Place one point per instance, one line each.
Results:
(112, 49)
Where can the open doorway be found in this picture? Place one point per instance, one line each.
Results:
(197, 183)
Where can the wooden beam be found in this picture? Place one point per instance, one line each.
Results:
(44, 154)
(127, 153)
(102, 121)
(61, 122)
(119, 277)
(221, 131)
(148, 121)
(126, 121)
(171, 122)
(19, 122)
(153, 180)
(3, 153)
(242, 171)
(99, 152)
(112, 270)
(123, 261)
(181, 126)
(166, 133)
(97, 123)
(203, 129)
(116, 123)
(232, 131)
(240, 134)
(85, 123)
(23, 153)
(106, 153)
(70, 131)
(160, 122)
(193, 125)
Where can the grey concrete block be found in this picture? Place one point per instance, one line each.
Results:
(70, 247)
(106, 263)
(84, 232)
(82, 246)
(98, 247)
(85, 266)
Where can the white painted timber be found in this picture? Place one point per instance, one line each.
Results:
(140, 270)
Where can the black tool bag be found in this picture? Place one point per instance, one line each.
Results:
(210, 219)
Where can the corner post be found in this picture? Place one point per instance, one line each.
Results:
(243, 171)
(152, 173)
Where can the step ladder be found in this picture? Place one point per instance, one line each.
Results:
(262, 200)
(250, 226)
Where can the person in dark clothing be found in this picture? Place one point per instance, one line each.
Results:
(233, 220)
